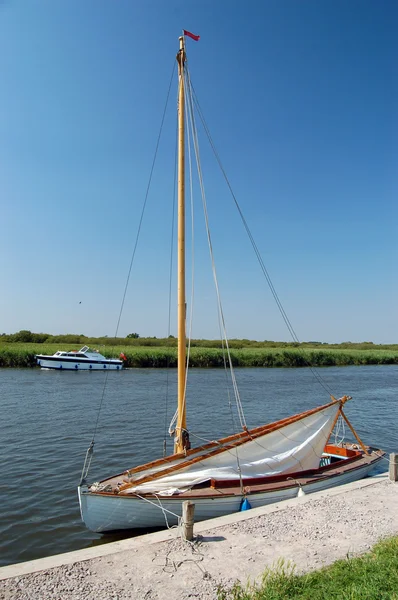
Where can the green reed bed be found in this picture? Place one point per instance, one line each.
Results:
(300, 357)
(23, 355)
(373, 576)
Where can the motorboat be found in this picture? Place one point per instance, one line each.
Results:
(85, 359)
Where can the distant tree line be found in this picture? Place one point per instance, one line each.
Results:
(133, 339)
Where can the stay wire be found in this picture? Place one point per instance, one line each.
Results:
(192, 255)
(191, 116)
(145, 200)
(136, 242)
(221, 314)
(255, 247)
(220, 308)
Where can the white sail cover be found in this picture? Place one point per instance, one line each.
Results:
(294, 447)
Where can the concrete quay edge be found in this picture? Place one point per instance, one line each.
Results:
(67, 558)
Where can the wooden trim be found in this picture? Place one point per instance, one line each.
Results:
(360, 442)
(340, 451)
(353, 464)
(225, 483)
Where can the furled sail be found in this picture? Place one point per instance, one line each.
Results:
(293, 447)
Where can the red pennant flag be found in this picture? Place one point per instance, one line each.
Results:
(192, 35)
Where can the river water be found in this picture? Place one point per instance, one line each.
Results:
(48, 419)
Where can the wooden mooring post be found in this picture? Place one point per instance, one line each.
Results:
(188, 512)
(393, 467)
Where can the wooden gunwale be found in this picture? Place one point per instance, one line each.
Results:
(237, 439)
(217, 483)
(271, 483)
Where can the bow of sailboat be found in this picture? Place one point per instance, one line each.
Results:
(270, 462)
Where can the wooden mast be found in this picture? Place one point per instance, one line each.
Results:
(181, 440)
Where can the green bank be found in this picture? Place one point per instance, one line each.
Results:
(19, 354)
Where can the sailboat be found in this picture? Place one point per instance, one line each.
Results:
(251, 468)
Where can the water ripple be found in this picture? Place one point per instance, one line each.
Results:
(48, 421)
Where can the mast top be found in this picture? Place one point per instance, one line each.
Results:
(181, 56)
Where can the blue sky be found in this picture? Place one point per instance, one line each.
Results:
(301, 98)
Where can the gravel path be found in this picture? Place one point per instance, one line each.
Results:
(312, 533)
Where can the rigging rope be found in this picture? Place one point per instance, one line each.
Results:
(90, 451)
(220, 309)
(254, 245)
(145, 201)
(192, 263)
(188, 107)
(340, 424)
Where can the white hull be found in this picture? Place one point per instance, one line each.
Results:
(102, 513)
(85, 359)
(79, 365)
